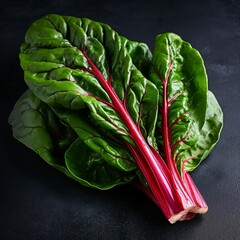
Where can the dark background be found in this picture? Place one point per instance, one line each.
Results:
(37, 202)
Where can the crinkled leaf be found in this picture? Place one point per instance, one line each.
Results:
(91, 170)
(208, 136)
(74, 63)
(36, 125)
(112, 150)
(186, 108)
(140, 54)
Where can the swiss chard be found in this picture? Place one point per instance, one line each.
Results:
(122, 116)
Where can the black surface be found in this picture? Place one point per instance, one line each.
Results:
(37, 202)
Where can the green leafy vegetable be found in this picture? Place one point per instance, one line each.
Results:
(105, 111)
(38, 127)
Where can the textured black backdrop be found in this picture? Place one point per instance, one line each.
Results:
(37, 202)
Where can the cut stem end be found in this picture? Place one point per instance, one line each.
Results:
(187, 214)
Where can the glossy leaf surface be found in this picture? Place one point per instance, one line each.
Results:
(74, 63)
(208, 136)
(36, 125)
(190, 118)
(109, 148)
(91, 170)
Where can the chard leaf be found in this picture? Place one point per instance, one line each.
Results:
(109, 148)
(208, 136)
(140, 54)
(91, 170)
(190, 118)
(36, 125)
(73, 63)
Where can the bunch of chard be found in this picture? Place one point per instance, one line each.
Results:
(106, 111)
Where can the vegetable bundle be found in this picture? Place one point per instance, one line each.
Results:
(106, 111)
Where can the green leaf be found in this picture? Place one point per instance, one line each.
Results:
(140, 54)
(35, 125)
(91, 170)
(109, 148)
(190, 119)
(187, 75)
(208, 136)
(73, 63)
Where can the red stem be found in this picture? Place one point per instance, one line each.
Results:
(156, 167)
(177, 120)
(186, 191)
(165, 183)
